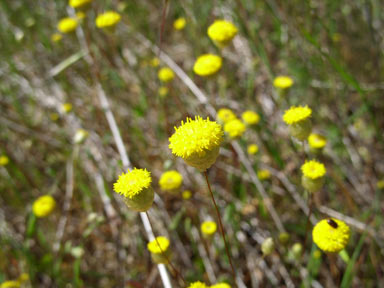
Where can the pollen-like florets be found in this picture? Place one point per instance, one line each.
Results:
(222, 32)
(43, 206)
(207, 65)
(283, 82)
(208, 227)
(166, 74)
(250, 117)
(108, 19)
(154, 247)
(133, 182)
(179, 23)
(224, 115)
(170, 180)
(331, 235)
(316, 141)
(295, 115)
(234, 128)
(67, 25)
(313, 169)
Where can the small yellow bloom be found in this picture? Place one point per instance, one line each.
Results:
(316, 141)
(208, 228)
(80, 15)
(222, 32)
(179, 23)
(10, 284)
(186, 194)
(79, 3)
(154, 247)
(250, 117)
(163, 91)
(56, 37)
(24, 277)
(207, 65)
(313, 169)
(224, 115)
(252, 149)
(267, 246)
(67, 25)
(263, 174)
(80, 136)
(234, 128)
(283, 82)
(4, 160)
(155, 62)
(297, 114)
(379, 184)
(170, 180)
(66, 107)
(331, 235)
(317, 254)
(166, 74)
(198, 284)
(221, 285)
(108, 19)
(43, 206)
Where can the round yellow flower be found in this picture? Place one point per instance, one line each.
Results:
(170, 180)
(263, 174)
(163, 91)
(234, 128)
(197, 284)
(10, 284)
(197, 142)
(317, 141)
(313, 169)
(331, 235)
(66, 107)
(224, 115)
(4, 160)
(165, 74)
(179, 23)
(43, 206)
(186, 194)
(133, 182)
(208, 228)
(250, 117)
(67, 25)
(108, 19)
(56, 37)
(207, 65)
(282, 82)
(155, 62)
(154, 247)
(80, 15)
(222, 32)
(221, 285)
(252, 149)
(379, 184)
(297, 114)
(79, 3)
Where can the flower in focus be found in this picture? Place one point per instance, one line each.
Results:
(197, 284)
(170, 180)
(207, 65)
(43, 206)
(234, 128)
(224, 115)
(155, 62)
(179, 23)
(197, 142)
(67, 25)
(250, 117)
(56, 37)
(186, 194)
(165, 74)
(108, 19)
(331, 235)
(252, 149)
(267, 246)
(222, 32)
(316, 141)
(221, 285)
(163, 91)
(79, 3)
(282, 82)
(313, 175)
(4, 160)
(263, 174)
(66, 107)
(298, 120)
(80, 136)
(208, 228)
(159, 249)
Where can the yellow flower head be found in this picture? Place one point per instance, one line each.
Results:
(154, 247)
(234, 128)
(80, 136)
(165, 74)
(207, 65)
(133, 182)
(197, 284)
(221, 285)
(80, 15)
(197, 142)
(297, 114)
(10, 284)
(252, 149)
(67, 25)
(66, 107)
(331, 235)
(250, 117)
(79, 3)
(179, 23)
(4, 160)
(170, 180)
(222, 32)
(208, 227)
(379, 184)
(282, 82)
(163, 91)
(56, 37)
(263, 174)
(186, 194)
(224, 115)
(43, 206)
(267, 246)
(316, 141)
(155, 62)
(108, 19)
(313, 169)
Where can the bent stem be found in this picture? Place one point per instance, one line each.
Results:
(221, 227)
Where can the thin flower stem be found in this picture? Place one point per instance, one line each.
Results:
(310, 205)
(221, 227)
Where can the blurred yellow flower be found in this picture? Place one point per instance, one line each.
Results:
(316, 141)
(186, 194)
(224, 115)
(80, 15)
(207, 65)
(282, 82)
(4, 160)
(170, 180)
(222, 32)
(154, 247)
(197, 284)
(56, 37)
(43, 206)
(267, 246)
(313, 169)
(297, 114)
(54, 116)
(155, 62)
(79, 3)
(252, 149)
(67, 25)
(80, 136)
(10, 284)
(208, 228)
(379, 184)
(221, 285)
(331, 235)
(163, 91)
(108, 19)
(179, 23)
(263, 174)
(234, 128)
(250, 117)
(166, 74)
(66, 107)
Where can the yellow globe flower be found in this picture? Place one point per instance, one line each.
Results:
(163, 91)
(67, 25)
(221, 285)
(155, 62)
(282, 82)
(252, 149)
(263, 174)
(197, 284)
(170, 180)
(313, 175)
(159, 249)
(331, 235)
(80, 15)
(224, 115)
(179, 23)
(222, 32)
(234, 128)
(4, 160)
(250, 117)
(66, 107)
(43, 206)
(108, 19)
(207, 65)
(79, 3)
(186, 194)
(197, 142)
(208, 228)
(56, 37)
(316, 141)
(298, 120)
(166, 74)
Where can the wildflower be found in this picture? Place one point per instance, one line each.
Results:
(43, 206)
(284, 237)
(4, 160)
(56, 37)
(54, 116)
(224, 115)
(198, 284)
(135, 186)
(24, 277)
(165, 74)
(379, 184)
(67, 25)
(331, 235)
(155, 62)
(80, 136)
(317, 254)
(234, 128)
(108, 20)
(179, 23)
(250, 117)
(296, 250)
(66, 107)
(313, 175)
(222, 32)
(208, 228)
(186, 194)
(221, 285)
(197, 142)
(298, 120)
(263, 174)
(316, 141)
(163, 91)
(170, 180)
(252, 149)
(10, 284)
(207, 65)
(159, 249)
(79, 4)
(80, 15)
(283, 82)
(267, 246)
